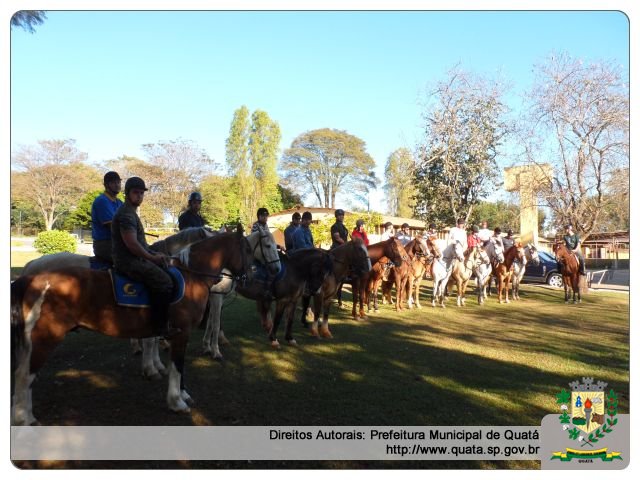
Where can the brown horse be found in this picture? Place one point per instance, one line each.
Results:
(44, 307)
(503, 271)
(570, 271)
(304, 270)
(389, 250)
(405, 276)
(352, 258)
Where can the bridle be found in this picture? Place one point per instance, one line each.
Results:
(259, 244)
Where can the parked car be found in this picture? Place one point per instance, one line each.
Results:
(548, 271)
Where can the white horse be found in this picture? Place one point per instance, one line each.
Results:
(442, 268)
(530, 256)
(495, 252)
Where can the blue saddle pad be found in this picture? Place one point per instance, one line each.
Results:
(129, 293)
(262, 274)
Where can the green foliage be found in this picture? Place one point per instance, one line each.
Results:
(321, 230)
(221, 201)
(325, 162)
(81, 215)
(398, 174)
(54, 241)
(28, 19)
(288, 197)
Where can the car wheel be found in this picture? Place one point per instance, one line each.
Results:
(555, 280)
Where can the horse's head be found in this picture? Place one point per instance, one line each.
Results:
(481, 256)
(458, 251)
(532, 255)
(264, 249)
(395, 252)
(360, 261)
(498, 251)
(520, 255)
(421, 249)
(433, 247)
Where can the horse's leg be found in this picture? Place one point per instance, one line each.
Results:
(319, 303)
(339, 294)
(157, 362)
(566, 281)
(324, 327)
(289, 312)
(306, 299)
(210, 339)
(361, 294)
(506, 288)
(136, 346)
(280, 307)
(149, 369)
(178, 399)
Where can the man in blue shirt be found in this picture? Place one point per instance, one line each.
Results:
(302, 238)
(102, 211)
(290, 230)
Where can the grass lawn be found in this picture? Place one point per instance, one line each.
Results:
(20, 259)
(490, 365)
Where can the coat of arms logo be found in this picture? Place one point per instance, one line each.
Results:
(588, 414)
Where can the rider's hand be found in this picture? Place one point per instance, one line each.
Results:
(160, 259)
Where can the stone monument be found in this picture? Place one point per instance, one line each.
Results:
(528, 180)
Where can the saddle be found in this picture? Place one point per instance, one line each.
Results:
(96, 263)
(129, 293)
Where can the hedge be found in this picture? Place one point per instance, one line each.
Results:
(54, 241)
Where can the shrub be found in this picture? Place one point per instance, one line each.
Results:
(55, 241)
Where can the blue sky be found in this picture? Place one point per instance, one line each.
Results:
(116, 80)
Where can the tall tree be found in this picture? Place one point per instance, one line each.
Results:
(399, 186)
(52, 174)
(325, 162)
(464, 128)
(183, 165)
(578, 121)
(221, 201)
(252, 153)
(237, 157)
(28, 19)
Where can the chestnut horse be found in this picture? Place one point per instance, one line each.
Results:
(406, 275)
(504, 270)
(352, 258)
(495, 252)
(390, 249)
(44, 307)
(570, 271)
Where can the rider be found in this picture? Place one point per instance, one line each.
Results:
(290, 230)
(133, 258)
(432, 233)
(572, 242)
(497, 237)
(474, 238)
(404, 235)
(339, 233)
(191, 216)
(508, 241)
(484, 233)
(359, 232)
(263, 216)
(388, 231)
(302, 238)
(458, 234)
(103, 209)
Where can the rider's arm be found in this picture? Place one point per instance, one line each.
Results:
(131, 241)
(338, 238)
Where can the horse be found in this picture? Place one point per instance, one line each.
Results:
(570, 271)
(442, 268)
(530, 256)
(302, 270)
(393, 250)
(504, 270)
(169, 246)
(46, 306)
(349, 258)
(406, 275)
(495, 252)
(462, 271)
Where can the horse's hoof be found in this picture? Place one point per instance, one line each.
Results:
(419, 307)
(314, 332)
(218, 358)
(292, 342)
(136, 351)
(206, 352)
(180, 407)
(164, 344)
(325, 333)
(153, 376)
(275, 344)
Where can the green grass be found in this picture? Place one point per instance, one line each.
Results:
(19, 260)
(490, 365)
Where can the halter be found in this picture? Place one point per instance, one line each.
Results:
(259, 244)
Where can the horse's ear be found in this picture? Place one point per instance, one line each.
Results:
(239, 229)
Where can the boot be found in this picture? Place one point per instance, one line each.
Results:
(159, 317)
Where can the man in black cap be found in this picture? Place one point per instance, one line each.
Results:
(261, 224)
(103, 209)
(388, 232)
(339, 233)
(291, 230)
(508, 241)
(191, 216)
(404, 235)
(133, 257)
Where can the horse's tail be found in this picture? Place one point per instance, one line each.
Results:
(18, 289)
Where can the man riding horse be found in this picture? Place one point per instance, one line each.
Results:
(572, 242)
(133, 257)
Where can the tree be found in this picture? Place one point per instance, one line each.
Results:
(288, 197)
(502, 214)
(578, 121)
(464, 128)
(251, 154)
(399, 173)
(615, 207)
(181, 167)
(221, 202)
(326, 162)
(28, 19)
(53, 176)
